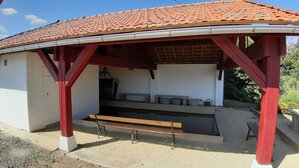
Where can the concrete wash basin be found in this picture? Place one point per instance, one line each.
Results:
(295, 119)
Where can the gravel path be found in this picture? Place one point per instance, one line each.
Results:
(15, 152)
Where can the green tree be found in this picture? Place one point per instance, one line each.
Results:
(238, 86)
(289, 78)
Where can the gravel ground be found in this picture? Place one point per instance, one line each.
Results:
(15, 152)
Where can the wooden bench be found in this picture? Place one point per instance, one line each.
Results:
(153, 126)
(254, 128)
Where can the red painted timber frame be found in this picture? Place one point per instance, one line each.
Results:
(241, 59)
(271, 48)
(65, 76)
(274, 48)
(110, 60)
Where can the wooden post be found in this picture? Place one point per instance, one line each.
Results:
(65, 76)
(268, 80)
(269, 105)
(65, 96)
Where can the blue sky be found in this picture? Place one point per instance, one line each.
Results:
(20, 15)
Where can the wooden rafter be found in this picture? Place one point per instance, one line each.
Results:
(120, 62)
(241, 59)
(80, 63)
(52, 68)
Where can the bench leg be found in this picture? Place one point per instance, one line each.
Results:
(136, 134)
(132, 136)
(105, 130)
(99, 131)
(173, 141)
(248, 134)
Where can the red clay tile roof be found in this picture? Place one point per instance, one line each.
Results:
(198, 14)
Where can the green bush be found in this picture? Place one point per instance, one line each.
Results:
(238, 86)
(289, 79)
(289, 100)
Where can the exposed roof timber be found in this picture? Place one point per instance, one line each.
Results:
(167, 33)
(118, 62)
(121, 62)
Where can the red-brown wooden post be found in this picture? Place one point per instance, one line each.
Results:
(269, 104)
(65, 76)
(65, 96)
(268, 80)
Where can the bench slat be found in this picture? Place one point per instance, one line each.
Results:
(142, 128)
(137, 121)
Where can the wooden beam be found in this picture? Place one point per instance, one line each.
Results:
(282, 46)
(269, 104)
(65, 97)
(120, 62)
(241, 59)
(220, 74)
(80, 63)
(48, 63)
(152, 74)
(242, 44)
(108, 60)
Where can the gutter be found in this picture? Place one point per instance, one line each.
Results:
(178, 32)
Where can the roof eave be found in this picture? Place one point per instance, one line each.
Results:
(166, 33)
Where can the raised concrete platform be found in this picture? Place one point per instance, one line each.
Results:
(295, 119)
(284, 130)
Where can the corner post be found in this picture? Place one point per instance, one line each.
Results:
(67, 141)
(269, 104)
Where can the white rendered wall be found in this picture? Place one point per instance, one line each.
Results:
(193, 80)
(13, 91)
(43, 94)
(131, 81)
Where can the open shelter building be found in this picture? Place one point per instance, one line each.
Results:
(180, 49)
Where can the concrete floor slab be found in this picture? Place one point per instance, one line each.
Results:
(116, 150)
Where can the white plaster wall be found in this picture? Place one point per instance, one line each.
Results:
(196, 81)
(85, 93)
(193, 80)
(131, 81)
(43, 102)
(13, 91)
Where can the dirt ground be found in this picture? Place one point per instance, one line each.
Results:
(15, 152)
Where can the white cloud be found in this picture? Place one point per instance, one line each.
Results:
(2, 29)
(2, 36)
(8, 11)
(35, 20)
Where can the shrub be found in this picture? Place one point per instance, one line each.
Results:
(238, 86)
(289, 100)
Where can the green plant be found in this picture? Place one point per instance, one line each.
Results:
(238, 86)
(289, 80)
(289, 100)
